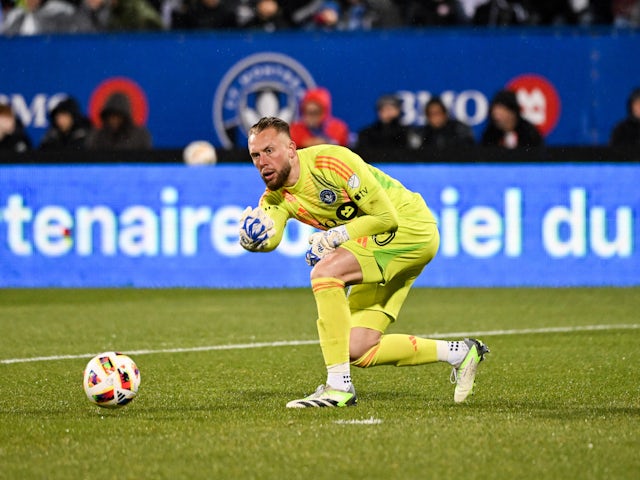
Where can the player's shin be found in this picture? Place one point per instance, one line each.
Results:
(333, 329)
(399, 350)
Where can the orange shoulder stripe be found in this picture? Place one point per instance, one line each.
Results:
(334, 164)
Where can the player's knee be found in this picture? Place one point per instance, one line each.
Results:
(326, 269)
(363, 346)
(362, 358)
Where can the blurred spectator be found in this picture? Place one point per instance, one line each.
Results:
(69, 128)
(627, 132)
(317, 125)
(626, 13)
(92, 16)
(501, 13)
(599, 12)
(172, 13)
(116, 15)
(442, 131)
(5, 6)
(134, 15)
(13, 137)
(210, 14)
(312, 14)
(118, 131)
(269, 16)
(507, 128)
(555, 12)
(368, 14)
(34, 17)
(386, 131)
(432, 12)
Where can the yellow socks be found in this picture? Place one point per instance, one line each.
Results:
(334, 326)
(400, 350)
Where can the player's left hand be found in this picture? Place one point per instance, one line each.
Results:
(316, 253)
(323, 243)
(256, 228)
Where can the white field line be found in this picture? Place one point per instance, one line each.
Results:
(366, 421)
(290, 343)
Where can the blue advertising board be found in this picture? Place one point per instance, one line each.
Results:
(176, 226)
(572, 83)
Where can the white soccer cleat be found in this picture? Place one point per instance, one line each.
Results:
(464, 374)
(326, 396)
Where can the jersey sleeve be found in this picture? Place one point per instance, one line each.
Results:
(376, 212)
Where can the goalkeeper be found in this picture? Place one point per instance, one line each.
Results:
(376, 237)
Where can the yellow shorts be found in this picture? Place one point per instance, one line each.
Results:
(390, 264)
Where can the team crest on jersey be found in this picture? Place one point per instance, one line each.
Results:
(260, 85)
(328, 197)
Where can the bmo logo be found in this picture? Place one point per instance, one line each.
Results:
(468, 106)
(33, 112)
(538, 99)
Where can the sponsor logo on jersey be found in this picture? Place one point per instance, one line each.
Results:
(361, 194)
(347, 211)
(260, 85)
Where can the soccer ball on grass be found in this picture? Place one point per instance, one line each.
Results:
(111, 379)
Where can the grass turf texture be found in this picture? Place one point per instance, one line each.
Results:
(547, 405)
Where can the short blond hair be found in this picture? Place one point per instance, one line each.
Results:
(270, 122)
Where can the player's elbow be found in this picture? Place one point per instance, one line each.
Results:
(393, 221)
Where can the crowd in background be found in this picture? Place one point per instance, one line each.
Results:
(29, 17)
(69, 129)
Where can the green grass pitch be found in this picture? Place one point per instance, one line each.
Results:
(558, 397)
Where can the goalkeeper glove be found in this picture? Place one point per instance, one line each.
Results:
(256, 228)
(323, 243)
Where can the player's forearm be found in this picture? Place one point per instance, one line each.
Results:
(272, 243)
(374, 224)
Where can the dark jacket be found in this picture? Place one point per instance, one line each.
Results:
(384, 135)
(527, 135)
(453, 134)
(18, 141)
(203, 17)
(128, 137)
(74, 139)
(627, 132)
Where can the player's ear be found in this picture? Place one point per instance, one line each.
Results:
(292, 147)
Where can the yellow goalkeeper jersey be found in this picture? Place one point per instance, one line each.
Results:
(337, 187)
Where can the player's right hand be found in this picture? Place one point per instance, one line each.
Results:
(256, 228)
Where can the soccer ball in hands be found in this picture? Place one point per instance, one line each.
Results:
(111, 379)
